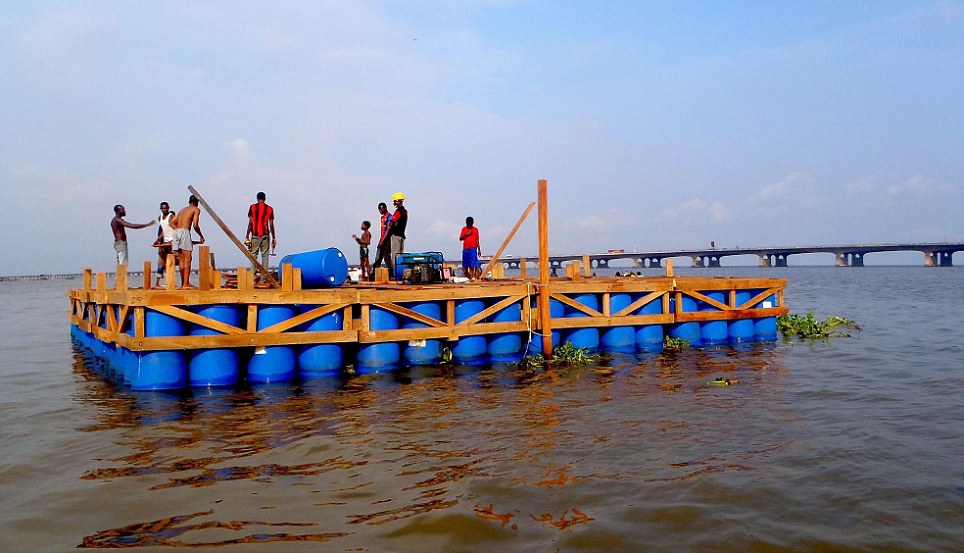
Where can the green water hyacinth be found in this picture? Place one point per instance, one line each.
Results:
(673, 345)
(808, 327)
(564, 355)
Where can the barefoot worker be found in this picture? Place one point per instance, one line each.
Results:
(119, 226)
(183, 222)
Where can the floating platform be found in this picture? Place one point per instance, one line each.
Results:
(223, 335)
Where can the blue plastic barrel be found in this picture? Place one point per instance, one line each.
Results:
(713, 332)
(320, 268)
(272, 363)
(689, 331)
(582, 337)
(557, 310)
(423, 352)
(321, 360)
(618, 338)
(378, 356)
(469, 350)
(158, 370)
(741, 330)
(765, 328)
(506, 348)
(650, 337)
(219, 366)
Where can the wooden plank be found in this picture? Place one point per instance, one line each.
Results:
(271, 279)
(170, 275)
(545, 318)
(194, 318)
(236, 340)
(252, 325)
(139, 331)
(204, 268)
(414, 315)
(498, 253)
(576, 305)
(302, 318)
(491, 310)
(699, 296)
(640, 303)
(286, 278)
(88, 278)
(522, 268)
(147, 275)
(586, 265)
(101, 282)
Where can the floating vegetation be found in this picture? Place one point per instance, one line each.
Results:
(808, 327)
(446, 357)
(674, 345)
(564, 355)
(720, 381)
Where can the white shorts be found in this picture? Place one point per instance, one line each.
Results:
(182, 240)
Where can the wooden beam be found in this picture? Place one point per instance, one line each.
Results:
(508, 239)
(274, 282)
(204, 267)
(147, 275)
(545, 326)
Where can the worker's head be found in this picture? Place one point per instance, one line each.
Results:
(192, 200)
(382, 208)
(469, 222)
(118, 209)
(261, 196)
(165, 207)
(398, 197)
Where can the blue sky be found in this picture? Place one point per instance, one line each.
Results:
(658, 125)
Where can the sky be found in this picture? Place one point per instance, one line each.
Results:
(658, 124)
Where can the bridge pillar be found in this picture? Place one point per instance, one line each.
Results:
(781, 260)
(764, 260)
(714, 261)
(639, 262)
(841, 260)
(946, 259)
(857, 259)
(697, 261)
(602, 263)
(930, 259)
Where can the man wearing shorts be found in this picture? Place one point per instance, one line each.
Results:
(470, 249)
(119, 227)
(181, 242)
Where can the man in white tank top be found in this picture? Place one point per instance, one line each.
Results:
(165, 233)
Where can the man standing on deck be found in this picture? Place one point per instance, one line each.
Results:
(187, 218)
(260, 232)
(396, 229)
(165, 235)
(383, 250)
(119, 226)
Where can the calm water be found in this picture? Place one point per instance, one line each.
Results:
(849, 445)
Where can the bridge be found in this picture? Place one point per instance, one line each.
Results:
(936, 254)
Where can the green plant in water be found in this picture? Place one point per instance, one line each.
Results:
(566, 354)
(675, 344)
(808, 327)
(446, 356)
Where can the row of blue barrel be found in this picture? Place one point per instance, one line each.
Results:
(157, 370)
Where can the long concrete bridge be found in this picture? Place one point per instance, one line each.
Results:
(936, 254)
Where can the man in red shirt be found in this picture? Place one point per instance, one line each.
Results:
(470, 249)
(260, 232)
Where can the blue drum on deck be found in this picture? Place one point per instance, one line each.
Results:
(375, 357)
(713, 332)
(618, 338)
(321, 360)
(320, 268)
(220, 366)
(687, 331)
(557, 310)
(159, 370)
(650, 337)
(506, 348)
(741, 330)
(469, 350)
(272, 363)
(424, 351)
(582, 337)
(765, 328)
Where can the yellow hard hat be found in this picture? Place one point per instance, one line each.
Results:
(398, 196)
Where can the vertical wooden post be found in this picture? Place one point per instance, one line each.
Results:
(147, 275)
(544, 317)
(243, 278)
(586, 265)
(101, 282)
(170, 275)
(120, 278)
(522, 268)
(88, 278)
(286, 277)
(204, 267)
(296, 278)
(669, 267)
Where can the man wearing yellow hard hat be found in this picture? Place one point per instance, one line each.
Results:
(396, 230)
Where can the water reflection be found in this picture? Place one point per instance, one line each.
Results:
(505, 447)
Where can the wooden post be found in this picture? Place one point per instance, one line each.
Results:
(264, 270)
(120, 278)
(204, 267)
(381, 275)
(522, 268)
(586, 265)
(147, 275)
(88, 278)
(101, 282)
(170, 275)
(545, 326)
(669, 267)
(508, 238)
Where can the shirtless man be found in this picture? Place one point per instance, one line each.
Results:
(185, 219)
(120, 226)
